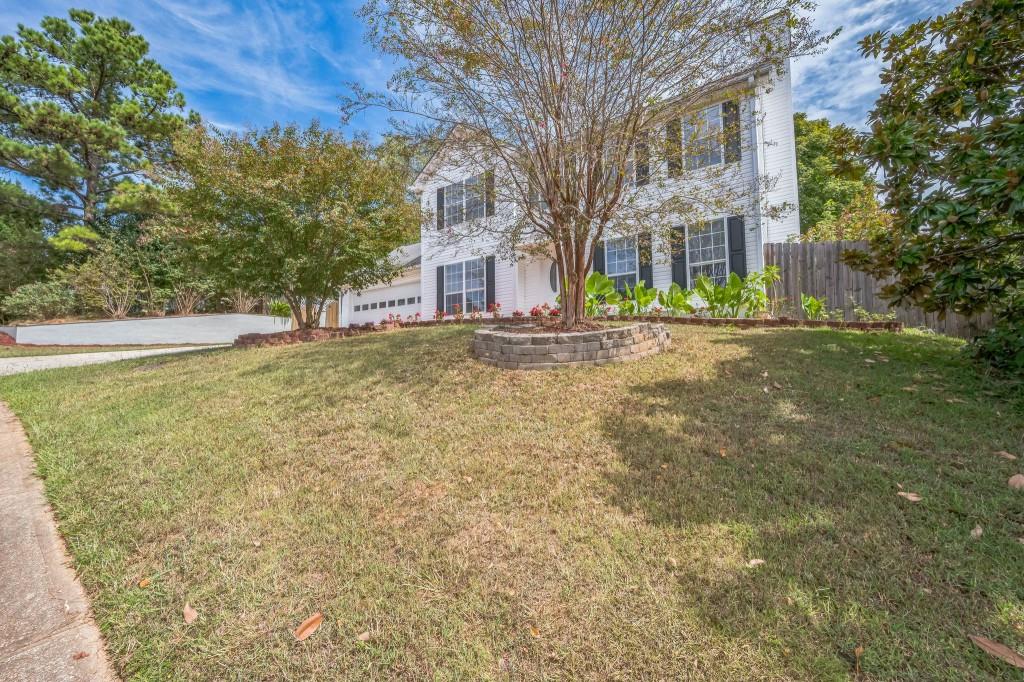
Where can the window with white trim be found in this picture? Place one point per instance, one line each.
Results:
(702, 137)
(466, 200)
(620, 261)
(707, 252)
(465, 285)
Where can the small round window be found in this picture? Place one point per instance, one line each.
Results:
(553, 277)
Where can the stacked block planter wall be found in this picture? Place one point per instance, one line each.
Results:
(513, 350)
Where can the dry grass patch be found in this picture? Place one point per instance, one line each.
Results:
(597, 523)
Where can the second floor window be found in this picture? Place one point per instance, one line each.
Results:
(469, 199)
(702, 138)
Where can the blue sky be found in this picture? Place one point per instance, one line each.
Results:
(250, 62)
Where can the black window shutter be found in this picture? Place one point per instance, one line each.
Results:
(646, 261)
(731, 124)
(440, 208)
(674, 147)
(489, 193)
(679, 269)
(737, 246)
(642, 160)
(440, 287)
(489, 267)
(599, 258)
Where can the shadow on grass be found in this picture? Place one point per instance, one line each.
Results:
(790, 449)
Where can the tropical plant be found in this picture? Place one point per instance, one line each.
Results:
(638, 299)
(39, 301)
(755, 289)
(814, 308)
(721, 301)
(600, 293)
(676, 300)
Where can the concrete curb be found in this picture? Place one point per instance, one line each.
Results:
(46, 629)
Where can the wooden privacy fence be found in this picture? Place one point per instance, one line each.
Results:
(814, 268)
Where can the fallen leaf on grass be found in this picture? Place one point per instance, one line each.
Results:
(671, 562)
(910, 389)
(869, 361)
(144, 583)
(999, 651)
(911, 497)
(977, 532)
(721, 452)
(955, 400)
(777, 386)
(765, 389)
(534, 632)
(754, 563)
(190, 614)
(363, 636)
(858, 652)
(308, 626)
(1016, 482)
(1006, 455)
(80, 655)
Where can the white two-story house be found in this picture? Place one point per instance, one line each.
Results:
(439, 274)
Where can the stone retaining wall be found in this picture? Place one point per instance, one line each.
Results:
(511, 350)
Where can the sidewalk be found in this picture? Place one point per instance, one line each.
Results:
(46, 630)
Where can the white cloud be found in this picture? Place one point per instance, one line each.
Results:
(840, 84)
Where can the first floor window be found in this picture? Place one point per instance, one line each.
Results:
(621, 262)
(707, 252)
(465, 285)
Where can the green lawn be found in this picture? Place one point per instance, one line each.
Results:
(27, 351)
(594, 523)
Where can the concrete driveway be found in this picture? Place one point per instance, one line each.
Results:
(38, 362)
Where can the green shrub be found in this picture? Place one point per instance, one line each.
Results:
(39, 301)
(280, 309)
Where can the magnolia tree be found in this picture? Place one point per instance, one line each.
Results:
(300, 214)
(589, 114)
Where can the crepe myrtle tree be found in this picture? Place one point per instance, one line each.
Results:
(296, 213)
(587, 113)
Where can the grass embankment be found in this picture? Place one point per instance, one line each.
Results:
(593, 523)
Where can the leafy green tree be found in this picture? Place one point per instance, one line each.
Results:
(85, 113)
(301, 214)
(948, 137)
(24, 251)
(831, 177)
